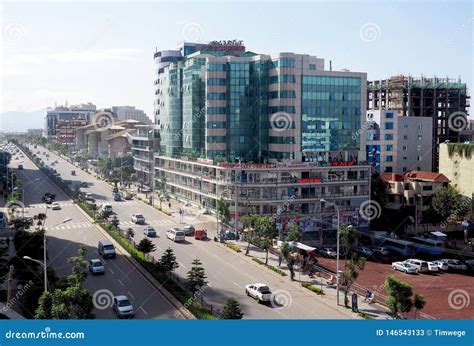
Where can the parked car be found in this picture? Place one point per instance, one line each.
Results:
(122, 306)
(149, 231)
(20, 167)
(3, 219)
(259, 291)
(84, 184)
(363, 251)
(380, 250)
(404, 267)
(442, 264)
(117, 197)
(96, 266)
(200, 234)
(229, 235)
(175, 234)
(188, 230)
(106, 208)
(48, 198)
(138, 218)
(89, 197)
(454, 264)
(432, 267)
(106, 249)
(115, 190)
(327, 252)
(128, 196)
(421, 266)
(73, 172)
(55, 206)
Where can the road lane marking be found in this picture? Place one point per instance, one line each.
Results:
(131, 295)
(111, 271)
(121, 282)
(146, 313)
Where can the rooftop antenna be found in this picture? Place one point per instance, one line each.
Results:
(330, 65)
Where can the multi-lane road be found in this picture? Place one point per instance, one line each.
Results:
(64, 239)
(227, 272)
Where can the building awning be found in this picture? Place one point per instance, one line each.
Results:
(438, 234)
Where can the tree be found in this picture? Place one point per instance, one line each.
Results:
(419, 303)
(168, 261)
(223, 211)
(353, 264)
(115, 222)
(294, 233)
(399, 300)
(232, 310)
(79, 267)
(266, 230)
(289, 259)
(130, 234)
(248, 222)
(196, 277)
(146, 246)
(449, 201)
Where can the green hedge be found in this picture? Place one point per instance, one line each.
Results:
(269, 266)
(233, 247)
(312, 288)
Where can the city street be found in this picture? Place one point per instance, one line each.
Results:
(64, 239)
(227, 272)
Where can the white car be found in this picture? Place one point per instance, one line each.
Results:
(454, 264)
(259, 291)
(122, 306)
(138, 218)
(404, 267)
(55, 206)
(175, 234)
(442, 264)
(89, 196)
(380, 250)
(433, 267)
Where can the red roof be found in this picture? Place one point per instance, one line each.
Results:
(430, 176)
(391, 177)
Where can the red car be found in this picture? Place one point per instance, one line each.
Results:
(200, 234)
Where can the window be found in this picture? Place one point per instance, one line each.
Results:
(405, 126)
(427, 188)
(389, 137)
(405, 137)
(241, 139)
(216, 81)
(405, 158)
(418, 158)
(282, 140)
(418, 147)
(215, 110)
(216, 67)
(285, 62)
(285, 78)
(404, 169)
(389, 147)
(389, 126)
(404, 148)
(389, 115)
(419, 127)
(389, 158)
(216, 96)
(312, 67)
(420, 137)
(388, 169)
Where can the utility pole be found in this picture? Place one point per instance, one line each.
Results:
(10, 286)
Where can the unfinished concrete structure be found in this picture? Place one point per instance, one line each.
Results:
(437, 98)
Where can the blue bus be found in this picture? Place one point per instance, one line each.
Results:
(428, 246)
(402, 247)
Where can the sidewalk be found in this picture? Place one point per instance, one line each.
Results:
(374, 310)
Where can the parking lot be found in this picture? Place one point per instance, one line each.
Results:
(448, 295)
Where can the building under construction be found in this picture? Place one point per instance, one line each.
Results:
(437, 98)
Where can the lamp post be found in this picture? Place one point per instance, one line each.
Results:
(322, 200)
(44, 263)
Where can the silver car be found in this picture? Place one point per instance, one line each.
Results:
(123, 307)
(404, 267)
(96, 266)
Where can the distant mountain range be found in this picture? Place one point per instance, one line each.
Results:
(14, 121)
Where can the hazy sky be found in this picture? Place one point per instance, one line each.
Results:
(102, 52)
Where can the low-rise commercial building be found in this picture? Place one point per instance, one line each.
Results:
(144, 142)
(456, 161)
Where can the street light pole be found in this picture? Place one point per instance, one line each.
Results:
(337, 246)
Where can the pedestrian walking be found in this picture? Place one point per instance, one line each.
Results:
(279, 261)
(169, 205)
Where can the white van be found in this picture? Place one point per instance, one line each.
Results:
(106, 249)
(421, 266)
(175, 234)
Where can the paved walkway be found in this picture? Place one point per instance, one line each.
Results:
(373, 310)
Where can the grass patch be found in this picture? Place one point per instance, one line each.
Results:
(269, 266)
(163, 211)
(312, 288)
(366, 316)
(233, 247)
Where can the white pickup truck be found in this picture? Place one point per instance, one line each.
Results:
(260, 292)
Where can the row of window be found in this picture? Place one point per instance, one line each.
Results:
(216, 81)
(331, 80)
(216, 124)
(283, 78)
(216, 110)
(286, 109)
(284, 94)
(216, 96)
(339, 96)
(284, 62)
(281, 140)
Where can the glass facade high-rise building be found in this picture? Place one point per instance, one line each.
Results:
(279, 126)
